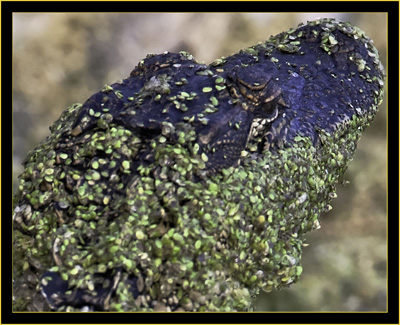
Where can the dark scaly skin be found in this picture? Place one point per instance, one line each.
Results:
(190, 187)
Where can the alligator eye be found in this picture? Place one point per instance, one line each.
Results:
(269, 100)
(270, 111)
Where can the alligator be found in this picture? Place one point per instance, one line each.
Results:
(190, 187)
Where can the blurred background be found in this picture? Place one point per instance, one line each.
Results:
(63, 58)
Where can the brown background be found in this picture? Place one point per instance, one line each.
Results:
(60, 59)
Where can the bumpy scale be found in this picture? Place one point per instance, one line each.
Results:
(188, 187)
